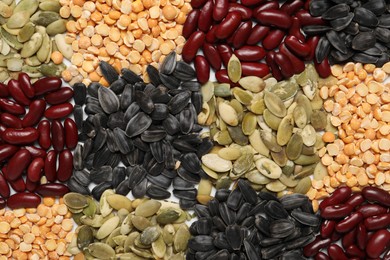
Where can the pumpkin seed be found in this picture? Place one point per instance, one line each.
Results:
(271, 120)
(75, 200)
(276, 186)
(234, 69)
(101, 250)
(294, 147)
(268, 168)
(148, 208)
(300, 116)
(228, 114)
(285, 130)
(252, 83)
(275, 104)
(229, 153)
(303, 185)
(216, 163)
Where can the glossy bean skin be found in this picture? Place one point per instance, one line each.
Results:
(274, 18)
(18, 185)
(50, 166)
(377, 222)
(349, 222)
(65, 166)
(335, 236)
(246, 13)
(3, 90)
(353, 250)
(46, 85)
(44, 134)
(336, 252)
(339, 196)
(3, 203)
(210, 36)
(370, 210)
(60, 96)
(23, 200)
(285, 65)
(336, 211)
(225, 51)
(314, 247)
(25, 85)
(17, 94)
(10, 120)
(361, 236)
(258, 33)
(35, 113)
(270, 5)
(227, 27)
(295, 30)
(192, 45)
(251, 2)
(378, 243)
(59, 111)
(327, 228)
(254, 69)
(298, 48)
(250, 53)
(58, 135)
(7, 150)
(71, 134)
(34, 171)
(299, 65)
(36, 152)
(223, 77)
(375, 194)
(31, 186)
(220, 9)
(273, 39)
(4, 187)
(242, 34)
(274, 67)
(191, 22)
(291, 7)
(323, 68)
(321, 256)
(349, 238)
(20, 136)
(355, 200)
(11, 107)
(306, 19)
(212, 56)
(206, 16)
(18, 163)
(52, 190)
(198, 3)
(312, 42)
(202, 68)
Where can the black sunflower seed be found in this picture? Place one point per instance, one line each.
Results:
(130, 76)
(251, 251)
(159, 180)
(78, 162)
(138, 124)
(271, 252)
(127, 97)
(191, 85)
(363, 41)
(336, 41)
(169, 64)
(139, 191)
(184, 71)
(144, 101)
(234, 236)
(378, 7)
(118, 85)
(108, 100)
(122, 188)
(102, 174)
(74, 186)
(169, 81)
(79, 93)
(157, 193)
(281, 228)
(118, 175)
(384, 21)
(341, 23)
(124, 144)
(322, 49)
(153, 75)
(109, 73)
(100, 140)
(365, 17)
(201, 243)
(179, 102)
(82, 177)
(185, 194)
(364, 58)
(307, 219)
(155, 135)
(337, 11)
(275, 210)
(316, 29)
(100, 188)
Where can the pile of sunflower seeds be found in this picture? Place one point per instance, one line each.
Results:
(118, 228)
(151, 128)
(240, 224)
(356, 30)
(268, 132)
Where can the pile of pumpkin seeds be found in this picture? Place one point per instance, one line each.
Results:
(118, 228)
(267, 132)
(30, 32)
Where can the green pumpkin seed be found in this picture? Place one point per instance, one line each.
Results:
(280, 158)
(18, 20)
(285, 130)
(320, 172)
(101, 251)
(84, 237)
(268, 168)
(256, 177)
(242, 165)
(44, 18)
(50, 5)
(222, 90)
(51, 69)
(205, 187)
(223, 183)
(275, 104)
(168, 216)
(244, 97)
(168, 234)
(27, 5)
(307, 159)
(305, 172)
(249, 123)
(181, 238)
(105, 208)
(32, 46)
(294, 147)
(237, 135)
(26, 32)
(148, 208)
(5, 10)
(223, 137)
(270, 141)
(141, 252)
(149, 235)
(276, 186)
(318, 120)
(90, 210)
(45, 49)
(284, 89)
(257, 107)
(303, 185)
(271, 120)
(10, 39)
(300, 116)
(126, 225)
(303, 101)
(118, 202)
(229, 153)
(252, 83)
(258, 144)
(14, 64)
(289, 181)
(234, 69)
(210, 172)
(317, 101)
(75, 200)
(130, 241)
(63, 47)
(308, 150)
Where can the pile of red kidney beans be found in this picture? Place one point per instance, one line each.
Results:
(35, 132)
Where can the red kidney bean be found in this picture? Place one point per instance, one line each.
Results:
(18, 185)
(336, 211)
(3, 203)
(361, 236)
(210, 36)
(273, 39)
(18, 163)
(370, 210)
(20, 136)
(220, 9)
(375, 194)
(16, 92)
(191, 22)
(270, 5)
(36, 152)
(71, 134)
(257, 34)
(57, 135)
(45, 85)
(274, 18)
(321, 256)
(335, 236)
(378, 243)
(336, 252)
(250, 53)
(312, 42)
(65, 165)
(227, 27)
(242, 34)
(223, 77)
(202, 68)
(314, 247)
(4, 187)
(306, 19)
(11, 107)
(291, 7)
(31, 186)
(10, 120)
(295, 30)
(254, 69)
(7, 150)
(198, 3)
(23, 200)
(34, 171)
(25, 85)
(285, 65)
(206, 16)
(307, 4)
(192, 45)
(274, 67)
(299, 65)
(50, 166)
(44, 134)
(349, 222)
(323, 68)
(59, 111)
(52, 190)
(225, 51)
(339, 196)
(353, 250)
(355, 200)
(327, 228)
(251, 2)
(35, 113)
(246, 13)
(298, 48)
(3, 90)
(377, 222)
(60, 96)
(212, 56)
